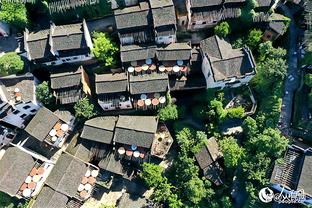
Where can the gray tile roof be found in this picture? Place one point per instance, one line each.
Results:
(305, 180)
(15, 166)
(58, 38)
(41, 124)
(208, 154)
(48, 198)
(227, 62)
(109, 163)
(134, 16)
(205, 3)
(66, 79)
(163, 14)
(174, 51)
(38, 44)
(149, 83)
(67, 37)
(66, 175)
(278, 26)
(130, 53)
(138, 130)
(110, 83)
(99, 129)
(160, 3)
(25, 83)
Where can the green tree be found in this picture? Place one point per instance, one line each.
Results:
(232, 152)
(104, 49)
(44, 94)
(152, 174)
(237, 112)
(84, 109)
(247, 12)
(308, 80)
(254, 38)
(195, 190)
(10, 63)
(222, 30)
(14, 13)
(170, 112)
(250, 127)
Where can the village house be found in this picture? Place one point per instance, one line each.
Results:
(224, 66)
(265, 5)
(277, 27)
(112, 91)
(47, 130)
(134, 24)
(295, 172)
(209, 159)
(164, 21)
(59, 44)
(22, 174)
(174, 58)
(71, 181)
(18, 88)
(206, 14)
(149, 91)
(70, 87)
(113, 143)
(138, 59)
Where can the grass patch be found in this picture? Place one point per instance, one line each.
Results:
(307, 59)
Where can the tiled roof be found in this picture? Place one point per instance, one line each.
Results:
(149, 83)
(42, 123)
(25, 83)
(305, 180)
(110, 83)
(99, 129)
(134, 16)
(265, 3)
(49, 198)
(66, 175)
(205, 3)
(138, 130)
(163, 13)
(174, 51)
(109, 163)
(66, 79)
(225, 61)
(15, 166)
(130, 53)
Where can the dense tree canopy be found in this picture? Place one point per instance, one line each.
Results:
(44, 95)
(254, 38)
(232, 152)
(104, 49)
(152, 174)
(170, 112)
(14, 13)
(10, 63)
(84, 109)
(222, 29)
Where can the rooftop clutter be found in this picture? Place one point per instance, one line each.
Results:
(126, 139)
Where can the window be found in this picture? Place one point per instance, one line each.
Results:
(26, 107)
(53, 63)
(183, 22)
(16, 112)
(193, 23)
(204, 23)
(23, 116)
(33, 110)
(75, 58)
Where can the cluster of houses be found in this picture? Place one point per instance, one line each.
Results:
(41, 156)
